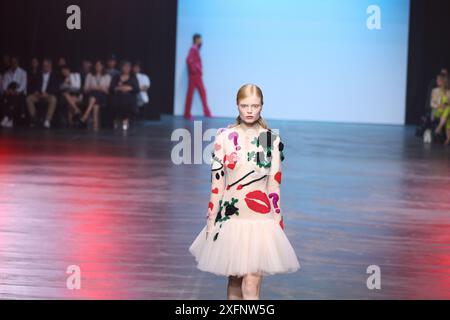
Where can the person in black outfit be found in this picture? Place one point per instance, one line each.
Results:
(33, 76)
(47, 91)
(86, 68)
(124, 88)
(13, 97)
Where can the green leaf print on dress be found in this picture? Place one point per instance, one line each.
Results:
(230, 209)
(263, 158)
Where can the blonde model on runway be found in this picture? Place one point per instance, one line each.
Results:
(244, 237)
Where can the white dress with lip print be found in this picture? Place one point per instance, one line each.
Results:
(245, 217)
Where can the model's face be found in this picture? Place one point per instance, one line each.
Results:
(136, 69)
(250, 109)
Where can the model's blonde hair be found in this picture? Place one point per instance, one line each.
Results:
(245, 91)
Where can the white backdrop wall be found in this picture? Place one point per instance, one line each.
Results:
(314, 60)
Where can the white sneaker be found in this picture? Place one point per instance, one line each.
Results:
(125, 125)
(47, 124)
(427, 136)
(4, 121)
(8, 124)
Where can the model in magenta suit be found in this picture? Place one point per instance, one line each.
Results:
(194, 64)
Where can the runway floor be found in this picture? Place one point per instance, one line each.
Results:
(116, 205)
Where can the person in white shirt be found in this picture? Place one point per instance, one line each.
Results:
(14, 85)
(144, 85)
(48, 89)
(440, 105)
(96, 88)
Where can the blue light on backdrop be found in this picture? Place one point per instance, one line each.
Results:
(314, 60)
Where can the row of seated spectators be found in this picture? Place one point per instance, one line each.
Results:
(44, 94)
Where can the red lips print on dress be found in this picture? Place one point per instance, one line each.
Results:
(231, 160)
(254, 199)
(277, 177)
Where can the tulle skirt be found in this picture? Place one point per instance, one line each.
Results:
(244, 246)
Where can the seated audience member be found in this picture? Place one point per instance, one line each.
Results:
(47, 91)
(96, 89)
(432, 85)
(33, 76)
(62, 62)
(440, 103)
(124, 88)
(86, 68)
(144, 85)
(14, 85)
(111, 66)
(70, 89)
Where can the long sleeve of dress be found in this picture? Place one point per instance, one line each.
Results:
(274, 179)
(217, 179)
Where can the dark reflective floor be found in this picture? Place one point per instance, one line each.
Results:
(116, 206)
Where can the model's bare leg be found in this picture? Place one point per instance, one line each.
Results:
(234, 290)
(447, 141)
(251, 286)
